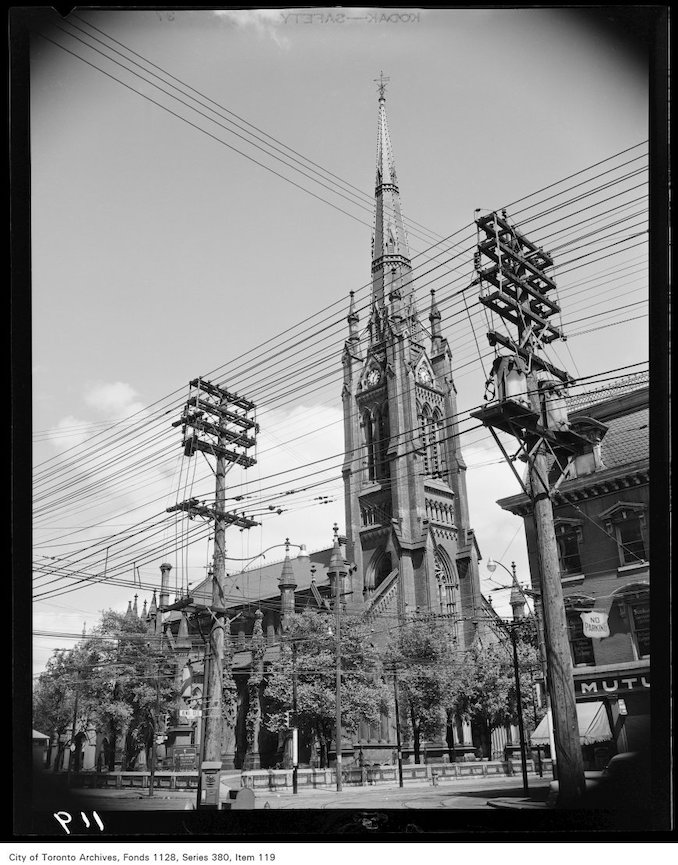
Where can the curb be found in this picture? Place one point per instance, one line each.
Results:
(519, 804)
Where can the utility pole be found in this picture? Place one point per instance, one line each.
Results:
(154, 745)
(295, 741)
(521, 727)
(529, 405)
(397, 720)
(71, 749)
(224, 422)
(203, 718)
(337, 568)
(337, 653)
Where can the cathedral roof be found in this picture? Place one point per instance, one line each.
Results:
(263, 582)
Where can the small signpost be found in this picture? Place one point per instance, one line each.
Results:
(191, 714)
(185, 758)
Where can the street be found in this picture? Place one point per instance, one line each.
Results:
(471, 793)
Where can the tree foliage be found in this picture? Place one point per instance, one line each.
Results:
(422, 658)
(484, 691)
(123, 682)
(308, 656)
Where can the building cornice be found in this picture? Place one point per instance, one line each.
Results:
(616, 479)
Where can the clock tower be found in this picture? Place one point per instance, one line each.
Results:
(407, 520)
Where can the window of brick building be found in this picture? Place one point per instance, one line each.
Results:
(626, 523)
(639, 619)
(580, 646)
(630, 541)
(634, 608)
(568, 538)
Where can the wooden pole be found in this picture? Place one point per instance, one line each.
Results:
(71, 749)
(295, 767)
(337, 598)
(203, 720)
(560, 684)
(397, 720)
(154, 744)
(214, 722)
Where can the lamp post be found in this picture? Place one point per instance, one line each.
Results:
(511, 630)
(302, 554)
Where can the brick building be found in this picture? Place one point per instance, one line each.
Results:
(602, 529)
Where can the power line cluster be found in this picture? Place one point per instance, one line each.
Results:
(594, 222)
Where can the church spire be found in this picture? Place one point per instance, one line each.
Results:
(391, 266)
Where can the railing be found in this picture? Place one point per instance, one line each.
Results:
(275, 779)
(118, 780)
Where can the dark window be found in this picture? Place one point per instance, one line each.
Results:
(630, 537)
(425, 420)
(382, 443)
(436, 429)
(640, 623)
(369, 444)
(582, 647)
(568, 549)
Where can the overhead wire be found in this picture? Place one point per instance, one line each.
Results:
(463, 296)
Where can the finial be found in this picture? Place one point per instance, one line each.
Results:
(381, 85)
(287, 546)
(353, 318)
(434, 318)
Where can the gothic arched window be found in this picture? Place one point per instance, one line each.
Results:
(447, 584)
(368, 433)
(382, 427)
(435, 439)
(425, 428)
(376, 437)
(431, 429)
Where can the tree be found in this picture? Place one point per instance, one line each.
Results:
(423, 659)
(133, 683)
(363, 692)
(484, 688)
(124, 682)
(54, 700)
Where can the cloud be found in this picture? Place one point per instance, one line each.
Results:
(116, 400)
(69, 432)
(264, 22)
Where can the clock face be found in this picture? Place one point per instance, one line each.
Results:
(425, 375)
(373, 377)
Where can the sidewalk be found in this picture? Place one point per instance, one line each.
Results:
(467, 793)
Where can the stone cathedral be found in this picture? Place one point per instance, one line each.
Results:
(408, 546)
(407, 519)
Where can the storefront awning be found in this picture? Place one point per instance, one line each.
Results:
(593, 725)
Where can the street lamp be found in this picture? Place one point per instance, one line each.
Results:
(302, 554)
(539, 625)
(511, 630)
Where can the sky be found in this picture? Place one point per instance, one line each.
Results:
(166, 246)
